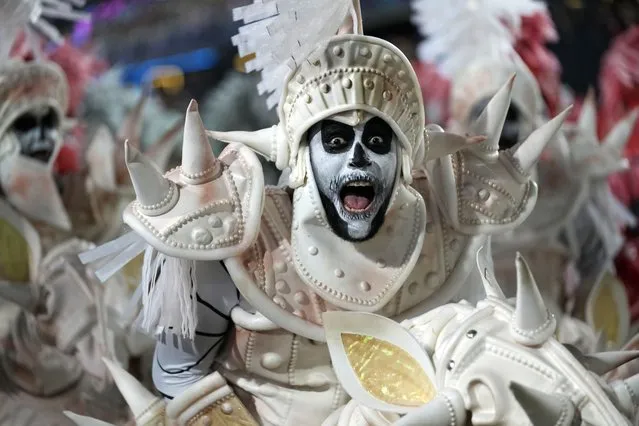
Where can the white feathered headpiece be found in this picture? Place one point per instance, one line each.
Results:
(282, 33)
(459, 31)
(471, 42)
(315, 63)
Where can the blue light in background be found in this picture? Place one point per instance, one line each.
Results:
(197, 60)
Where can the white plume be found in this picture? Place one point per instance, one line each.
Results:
(458, 31)
(282, 33)
(32, 15)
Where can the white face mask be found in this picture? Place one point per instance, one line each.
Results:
(29, 186)
(355, 168)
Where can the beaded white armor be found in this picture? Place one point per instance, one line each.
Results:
(278, 249)
(496, 363)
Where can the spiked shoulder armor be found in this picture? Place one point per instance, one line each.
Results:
(205, 209)
(482, 189)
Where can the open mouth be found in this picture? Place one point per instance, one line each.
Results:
(357, 196)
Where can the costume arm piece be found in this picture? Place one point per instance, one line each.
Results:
(210, 401)
(179, 362)
(481, 189)
(207, 209)
(494, 362)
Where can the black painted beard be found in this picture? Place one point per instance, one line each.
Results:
(339, 220)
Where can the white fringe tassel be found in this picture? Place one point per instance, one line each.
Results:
(171, 300)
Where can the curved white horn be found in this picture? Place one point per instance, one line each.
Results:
(545, 409)
(491, 121)
(198, 161)
(618, 137)
(529, 151)
(532, 322)
(261, 141)
(143, 404)
(602, 362)
(148, 183)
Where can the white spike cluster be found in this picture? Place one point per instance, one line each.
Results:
(282, 33)
(457, 31)
(31, 16)
(491, 122)
(588, 155)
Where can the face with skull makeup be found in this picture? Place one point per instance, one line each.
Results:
(355, 169)
(37, 130)
(29, 142)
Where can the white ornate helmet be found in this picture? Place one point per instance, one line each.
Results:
(324, 74)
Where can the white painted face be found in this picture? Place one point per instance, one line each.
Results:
(355, 169)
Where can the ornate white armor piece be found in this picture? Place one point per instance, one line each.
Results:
(573, 207)
(51, 352)
(381, 214)
(107, 184)
(496, 363)
(579, 220)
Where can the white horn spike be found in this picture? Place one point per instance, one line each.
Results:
(131, 129)
(618, 137)
(544, 409)
(447, 409)
(141, 402)
(587, 122)
(198, 161)
(149, 184)
(491, 121)
(19, 294)
(85, 421)
(532, 323)
(602, 362)
(529, 151)
(261, 141)
(491, 288)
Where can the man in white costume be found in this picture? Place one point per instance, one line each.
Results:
(379, 214)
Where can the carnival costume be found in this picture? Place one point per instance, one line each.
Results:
(381, 215)
(51, 356)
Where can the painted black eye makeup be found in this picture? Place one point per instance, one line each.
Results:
(336, 137)
(377, 136)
